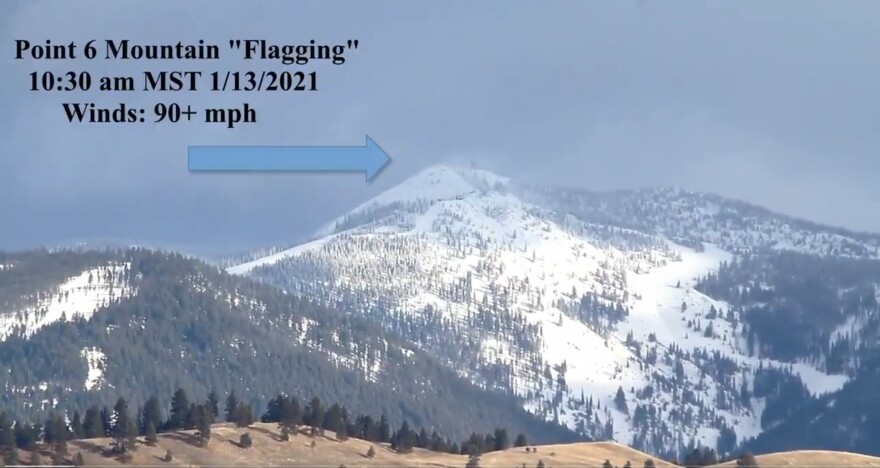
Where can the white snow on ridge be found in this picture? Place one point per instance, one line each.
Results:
(246, 268)
(95, 360)
(79, 296)
(437, 183)
(467, 232)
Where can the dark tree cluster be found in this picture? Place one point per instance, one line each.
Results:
(290, 414)
(123, 425)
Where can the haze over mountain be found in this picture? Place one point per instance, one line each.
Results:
(770, 102)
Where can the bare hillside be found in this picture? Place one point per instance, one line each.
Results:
(268, 449)
(814, 459)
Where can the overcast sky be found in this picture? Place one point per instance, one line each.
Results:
(772, 102)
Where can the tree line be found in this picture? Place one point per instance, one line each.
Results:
(123, 426)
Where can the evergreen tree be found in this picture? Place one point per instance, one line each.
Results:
(708, 457)
(243, 416)
(213, 405)
(124, 431)
(231, 407)
(150, 434)
(607, 464)
(26, 435)
(152, 413)
(384, 429)
(139, 424)
(693, 459)
(423, 441)
(179, 410)
(501, 440)
(521, 440)
(76, 426)
(55, 430)
(473, 462)
(314, 413)
(649, 463)
(333, 418)
(404, 439)
(106, 422)
(93, 426)
(7, 435)
(342, 433)
(204, 419)
(747, 460)
(364, 428)
(273, 410)
(192, 417)
(620, 401)
(288, 414)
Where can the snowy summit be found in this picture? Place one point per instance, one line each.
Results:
(586, 305)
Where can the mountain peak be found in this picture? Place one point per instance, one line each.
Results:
(432, 184)
(440, 182)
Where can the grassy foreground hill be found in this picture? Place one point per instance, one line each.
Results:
(268, 449)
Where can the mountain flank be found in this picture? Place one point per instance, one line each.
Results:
(82, 328)
(663, 319)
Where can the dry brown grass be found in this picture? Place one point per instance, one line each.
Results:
(813, 459)
(269, 450)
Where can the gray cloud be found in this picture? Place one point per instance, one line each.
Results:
(772, 102)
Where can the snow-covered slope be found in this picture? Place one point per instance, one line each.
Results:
(78, 296)
(596, 324)
(95, 360)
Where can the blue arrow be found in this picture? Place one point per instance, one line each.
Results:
(369, 159)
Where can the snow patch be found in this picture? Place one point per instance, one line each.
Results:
(95, 359)
(78, 297)
(817, 382)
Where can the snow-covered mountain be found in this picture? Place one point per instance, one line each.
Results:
(84, 327)
(590, 307)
